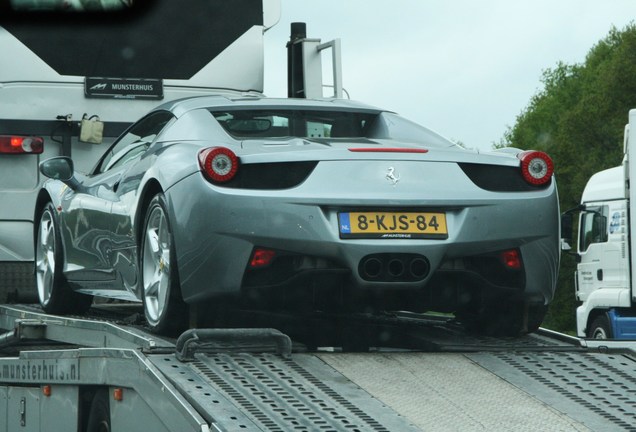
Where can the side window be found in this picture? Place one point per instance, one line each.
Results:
(593, 227)
(135, 141)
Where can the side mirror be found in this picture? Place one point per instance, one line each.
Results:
(565, 245)
(567, 225)
(60, 168)
(566, 228)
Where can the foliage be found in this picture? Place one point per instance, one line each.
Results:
(578, 118)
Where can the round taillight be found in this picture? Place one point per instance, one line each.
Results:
(219, 164)
(536, 167)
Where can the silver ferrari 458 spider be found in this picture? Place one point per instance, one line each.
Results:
(299, 205)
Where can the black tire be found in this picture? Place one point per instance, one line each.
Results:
(600, 328)
(164, 308)
(508, 320)
(536, 315)
(54, 294)
(99, 415)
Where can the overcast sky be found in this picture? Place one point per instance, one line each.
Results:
(464, 68)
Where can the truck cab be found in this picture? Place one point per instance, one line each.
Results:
(603, 281)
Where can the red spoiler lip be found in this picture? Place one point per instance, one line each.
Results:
(386, 150)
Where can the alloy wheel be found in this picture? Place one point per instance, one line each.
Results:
(156, 264)
(45, 257)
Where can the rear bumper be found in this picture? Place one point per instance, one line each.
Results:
(216, 230)
(469, 283)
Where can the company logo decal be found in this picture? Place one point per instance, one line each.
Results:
(123, 88)
(392, 177)
(101, 86)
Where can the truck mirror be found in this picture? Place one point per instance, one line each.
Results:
(566, 227)
(565, 246)
(567, 233)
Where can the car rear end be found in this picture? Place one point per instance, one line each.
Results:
(385, 222)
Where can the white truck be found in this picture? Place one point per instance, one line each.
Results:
(54, 74)
(606, 248)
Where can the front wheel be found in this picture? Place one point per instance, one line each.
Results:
(600, 328)
(55, 296)
(164, 308)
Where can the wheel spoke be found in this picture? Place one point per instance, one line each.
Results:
(153, 240)
(48, 283)
(152, 290)
(45, 258)
(162, 297)
(44, 234)
(50, 259)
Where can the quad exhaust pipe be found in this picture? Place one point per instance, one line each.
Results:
(394, 267)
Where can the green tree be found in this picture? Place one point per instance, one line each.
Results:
(578, 118)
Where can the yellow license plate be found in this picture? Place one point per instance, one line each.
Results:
(407, 225)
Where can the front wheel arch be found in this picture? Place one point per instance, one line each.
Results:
(151, 189)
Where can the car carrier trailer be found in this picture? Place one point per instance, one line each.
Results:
(105, 372)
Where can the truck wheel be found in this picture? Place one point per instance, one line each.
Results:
(55, 295)
(164, 308)
(99, 416)
(600, 328)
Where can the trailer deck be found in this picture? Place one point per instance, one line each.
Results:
(440, 379)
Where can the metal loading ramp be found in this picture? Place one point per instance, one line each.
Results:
(266, 392)
(596, 389)
(450, 392)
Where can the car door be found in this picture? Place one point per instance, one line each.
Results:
(95, 233)
(129, 162)
(87, 232)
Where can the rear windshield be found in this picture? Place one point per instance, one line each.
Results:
(316, 124)
(295, 123)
